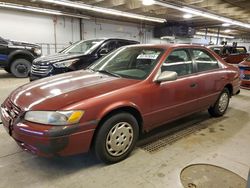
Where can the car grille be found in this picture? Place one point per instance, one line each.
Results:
(13, 110)
(246, 77)
(40, 69)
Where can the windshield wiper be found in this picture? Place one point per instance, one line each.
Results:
(109, 73)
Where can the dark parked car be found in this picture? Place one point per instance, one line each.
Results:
(16, 57)
(132, 90)
(231, 54)
(245, 73)
(77, 56)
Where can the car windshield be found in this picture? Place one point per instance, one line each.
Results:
(129, 62)
(82, 47)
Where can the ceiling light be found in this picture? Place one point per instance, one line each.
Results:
(14, 6)
(40, 10)
(227, 31)
(226, 24)
(203, 14)
(213, 35)
(148, 2)
(187, 16)
(83, 6)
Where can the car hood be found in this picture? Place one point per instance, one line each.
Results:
(57, 92)
(19, 44)
(50, 59)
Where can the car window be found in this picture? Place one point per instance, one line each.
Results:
(178, 61)
(82, 47)
(204, 60)
(241, 50)
(110, 46)
(122, 43)
(217, 50)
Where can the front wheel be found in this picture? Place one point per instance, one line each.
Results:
(20, 68)
(220, 107)
(116, 138)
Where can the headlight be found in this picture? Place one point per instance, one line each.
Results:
(37, 51)
(54, 117)
(66, 63)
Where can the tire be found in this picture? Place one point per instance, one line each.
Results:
(20, 68)
(220, 107)
(124, 129)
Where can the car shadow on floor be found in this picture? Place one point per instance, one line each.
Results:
(175, 127)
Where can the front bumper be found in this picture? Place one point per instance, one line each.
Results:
(47, 141)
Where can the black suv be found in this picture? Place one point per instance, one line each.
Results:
(16, 57)
(77, 56)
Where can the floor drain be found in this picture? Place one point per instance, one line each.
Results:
(177, 131)
(166, 140)
(210, 176)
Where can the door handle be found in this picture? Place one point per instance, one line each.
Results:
(193, 85)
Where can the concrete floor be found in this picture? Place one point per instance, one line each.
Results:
(222, 141)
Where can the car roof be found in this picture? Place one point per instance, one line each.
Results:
(122, 39)
(167, 46)
(220, 46)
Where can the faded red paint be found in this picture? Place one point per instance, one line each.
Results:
(98, 95)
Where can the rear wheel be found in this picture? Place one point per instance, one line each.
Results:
(116, 138)
(220, 107)
(20, 68)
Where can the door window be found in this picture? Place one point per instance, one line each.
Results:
(204, 60)
(110, 46)
(178, 61)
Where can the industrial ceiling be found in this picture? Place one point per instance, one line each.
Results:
(204, 15)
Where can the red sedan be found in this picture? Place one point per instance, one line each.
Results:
(245, 73)
(130, 91)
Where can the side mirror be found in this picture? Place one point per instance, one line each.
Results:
(166, 76)
(103, 51)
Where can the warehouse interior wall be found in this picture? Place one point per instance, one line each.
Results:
(54, 33)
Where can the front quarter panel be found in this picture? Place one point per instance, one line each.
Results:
(136, 96)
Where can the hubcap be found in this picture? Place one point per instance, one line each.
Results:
(21, 68)
(119, 139)
(223, 102)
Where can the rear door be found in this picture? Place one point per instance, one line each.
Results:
(174, 99)
(210, 77)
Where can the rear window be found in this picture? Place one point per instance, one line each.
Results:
(241, 50)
